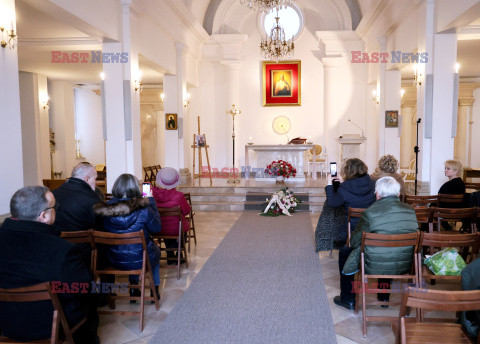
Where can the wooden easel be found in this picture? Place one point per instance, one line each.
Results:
(194, 146)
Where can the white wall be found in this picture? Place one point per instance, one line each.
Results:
(11, 171)
(475, 156)
(88, 116)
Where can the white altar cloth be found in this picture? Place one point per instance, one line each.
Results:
(294, 154)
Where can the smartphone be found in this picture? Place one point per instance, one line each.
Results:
(333, 169)
(145, 189)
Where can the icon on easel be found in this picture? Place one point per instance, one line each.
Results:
(200, 140)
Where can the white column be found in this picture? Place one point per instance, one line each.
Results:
(116, 145)
(233, 95)
(393, 84)
(461, 144)
(443, 102)
(170, 104)
(181, 96)
(408, 128)
(11, 171)
(332, 80)
(381, 87)
(475, 129)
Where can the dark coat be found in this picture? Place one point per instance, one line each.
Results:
(386, 216)
(471, 281)
(122, 216)
(455, 186)
(353, 193)
(32, 253)
(76, 200)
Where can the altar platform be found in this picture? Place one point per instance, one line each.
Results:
(251, 194)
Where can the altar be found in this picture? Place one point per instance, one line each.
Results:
(292, 153)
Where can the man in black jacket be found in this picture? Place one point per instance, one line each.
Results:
(76, 198)
(30, 253)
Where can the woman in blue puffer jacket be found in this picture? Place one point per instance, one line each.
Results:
(129, 212)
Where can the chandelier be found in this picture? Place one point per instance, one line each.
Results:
(276, 47)
(265, 5)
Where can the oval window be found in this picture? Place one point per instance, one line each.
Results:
(290, 20)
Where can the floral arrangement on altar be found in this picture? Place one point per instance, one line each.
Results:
(282, 202)
(280, 168)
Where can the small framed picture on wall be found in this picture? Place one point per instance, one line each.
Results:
(391, 119)
(171, 122)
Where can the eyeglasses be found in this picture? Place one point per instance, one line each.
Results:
(54, 207)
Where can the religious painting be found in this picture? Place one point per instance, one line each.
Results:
(391, 119)
(200, 140)
(281, 83)
(171, 121)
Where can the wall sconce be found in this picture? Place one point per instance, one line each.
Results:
(45, 101)
(138, 83)
(417, 74)
(10, 39)
(162, 97)
(186, 101)
(376, 96)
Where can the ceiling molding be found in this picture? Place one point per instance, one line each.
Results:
(59, 41)
(340, 35)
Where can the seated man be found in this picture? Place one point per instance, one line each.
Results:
(387, 215)
(30, 253)
(76, 198)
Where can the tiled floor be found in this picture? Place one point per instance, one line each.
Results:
(211, 228)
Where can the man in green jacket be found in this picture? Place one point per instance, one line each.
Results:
(388, 215)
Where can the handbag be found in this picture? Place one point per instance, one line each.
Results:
(446, 262)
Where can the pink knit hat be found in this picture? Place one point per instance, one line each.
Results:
(168, 178)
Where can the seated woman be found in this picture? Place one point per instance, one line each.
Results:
(387, 167)
(352, 189)
(166, 196)
(455, 184)
(129, 212)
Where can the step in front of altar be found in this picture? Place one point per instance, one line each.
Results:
(235, 198)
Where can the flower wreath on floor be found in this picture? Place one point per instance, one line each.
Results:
(282, 202)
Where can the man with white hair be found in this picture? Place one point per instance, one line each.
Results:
(77, 197)
(387, 215)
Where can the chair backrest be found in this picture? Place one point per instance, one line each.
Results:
(424, 214)
(475, 186)
(53, 184)
(40, 292)
(469, 243)
(106, 238)
(390, 240)
(446, 198)
(79, 237)
(421, 201)
(352, 212)
(173, 211)
(454, 214)
(440, 300)
(188, 197)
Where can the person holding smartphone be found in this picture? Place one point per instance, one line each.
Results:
(351, 188)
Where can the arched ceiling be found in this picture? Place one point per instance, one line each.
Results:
(334, 14)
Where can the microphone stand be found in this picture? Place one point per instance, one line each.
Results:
(416, 150)
(363, 135)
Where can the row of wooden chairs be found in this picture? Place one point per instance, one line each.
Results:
(151, 174)
(421, 243)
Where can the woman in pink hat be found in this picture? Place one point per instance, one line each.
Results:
(166, 196)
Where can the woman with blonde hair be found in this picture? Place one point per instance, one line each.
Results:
(454, 185)
(387, 167)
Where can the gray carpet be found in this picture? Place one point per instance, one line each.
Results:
(263, 284)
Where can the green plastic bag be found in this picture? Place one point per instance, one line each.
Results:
(447, 262)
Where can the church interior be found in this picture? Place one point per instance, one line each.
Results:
(220, 90)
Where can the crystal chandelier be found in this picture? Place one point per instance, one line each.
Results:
(276, 47)
(265, 5)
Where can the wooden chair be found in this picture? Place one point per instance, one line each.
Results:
(384, 240)
(408, 173)
(435, 331)
(191, 232)
(148, 174)
(41, 292)
(83, 238)
(181, 237)
(112, 239)
(455, 215)
(352, 212)
(316, 158)
(425, 217)
(53, 184)
(474, 186)
(451, 200)
(422, 201)
(468, 243)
